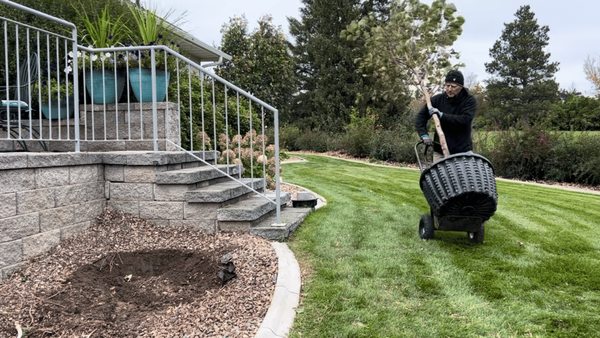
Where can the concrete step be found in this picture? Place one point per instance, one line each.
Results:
(250, 209)
(196, 174)
(291, 217)
(225, 191)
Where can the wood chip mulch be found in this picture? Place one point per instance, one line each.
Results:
(124, 277)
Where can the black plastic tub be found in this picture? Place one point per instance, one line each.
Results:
(461, 185)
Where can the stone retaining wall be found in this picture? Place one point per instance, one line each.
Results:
(46, 197)
(40, 206)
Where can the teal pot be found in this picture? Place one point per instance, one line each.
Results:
(101, 87)
(141, 84)
(53, 110)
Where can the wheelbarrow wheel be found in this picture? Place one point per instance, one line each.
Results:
(477, 237)
(426, 227)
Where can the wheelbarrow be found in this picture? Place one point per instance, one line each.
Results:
(460, 190)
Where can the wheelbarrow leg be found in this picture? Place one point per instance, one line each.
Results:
(477, 236)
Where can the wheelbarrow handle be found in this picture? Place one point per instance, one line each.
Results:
(438, 126)
(417, 153)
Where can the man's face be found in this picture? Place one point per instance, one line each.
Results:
(452, 89)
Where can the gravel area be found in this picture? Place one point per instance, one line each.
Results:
(125, 277)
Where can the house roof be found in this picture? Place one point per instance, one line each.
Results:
(200, 51)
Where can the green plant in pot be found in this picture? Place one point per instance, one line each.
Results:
(152, 30)
(57, 99)
(103, 72)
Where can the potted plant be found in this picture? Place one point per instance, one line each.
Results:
(57, 99)
(152, 29)
(103, 83)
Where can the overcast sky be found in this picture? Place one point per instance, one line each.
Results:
(574, 28)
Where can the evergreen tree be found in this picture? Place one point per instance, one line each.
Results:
(522, 84)
(261, 62)
(328, 79)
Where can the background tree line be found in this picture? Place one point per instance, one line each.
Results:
(348, 92)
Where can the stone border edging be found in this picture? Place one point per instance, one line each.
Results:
(281, 313)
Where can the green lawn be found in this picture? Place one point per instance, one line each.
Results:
(537, 274)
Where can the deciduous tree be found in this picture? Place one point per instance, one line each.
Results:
(412, 49)
(591, 68)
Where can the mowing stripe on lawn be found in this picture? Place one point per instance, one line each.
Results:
(537, 273)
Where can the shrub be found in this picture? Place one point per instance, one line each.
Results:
(537, 154)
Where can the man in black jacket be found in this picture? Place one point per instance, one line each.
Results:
(456, 108)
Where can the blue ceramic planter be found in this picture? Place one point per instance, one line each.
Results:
(102, 88)
(53, 110)
(141, 84)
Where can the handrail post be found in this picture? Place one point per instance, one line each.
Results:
(154, 112)
(76, 91)
(277, 186)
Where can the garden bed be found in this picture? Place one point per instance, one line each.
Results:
(125, 277)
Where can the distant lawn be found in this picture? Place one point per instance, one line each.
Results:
(537, 274)
(491, 136)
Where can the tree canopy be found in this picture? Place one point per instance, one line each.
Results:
(261, 61)
(328, 78)
(412, 48)
(522, 84)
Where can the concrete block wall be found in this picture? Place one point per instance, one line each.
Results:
(133, 189)
(45, 199)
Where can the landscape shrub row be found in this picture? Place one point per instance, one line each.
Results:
(525, 153)
(532, 153)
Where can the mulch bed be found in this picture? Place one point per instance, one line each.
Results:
(125, 277)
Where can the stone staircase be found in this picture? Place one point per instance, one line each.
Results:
(175, 189)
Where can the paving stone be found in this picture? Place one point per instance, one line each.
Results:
(11, 253)
(56, 218)
(8, 205)
(171, 192)
(221, 192)
(13, 161)
(13, 228)
(35, 200)
(234, 226)
(14, 180)
(291, 217)
(83, 174)
(161, 210)
(9, 270)
(137, 174)
(250, 209)
(72, 230)
(74, 194)
(88, 211)
(51, 177)
(201, 210)
(114, 173)
(132, 191)
(194, 175)
(40, 243)
(128, 207)
(206, 226)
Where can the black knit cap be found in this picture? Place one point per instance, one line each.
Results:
(456, 77)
